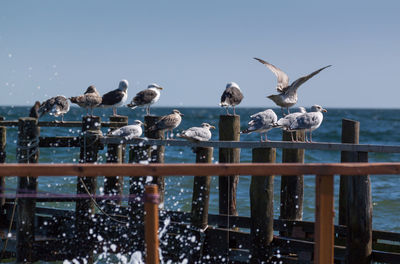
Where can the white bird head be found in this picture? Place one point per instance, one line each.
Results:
(318, 108)
(232, 84)
(154, 85)
(302, 110)
(176, 111)
(207, 125)
(138, 122)
(123, 85)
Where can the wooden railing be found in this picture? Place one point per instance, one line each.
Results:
(324, 213)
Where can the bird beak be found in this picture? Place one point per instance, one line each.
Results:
(213, 127)
(160, 88)
(324, 110)
(181, 114)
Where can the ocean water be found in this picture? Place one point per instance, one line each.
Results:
(378, 126)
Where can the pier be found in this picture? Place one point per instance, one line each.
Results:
(32, 233)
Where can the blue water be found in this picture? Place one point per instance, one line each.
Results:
(378, 126)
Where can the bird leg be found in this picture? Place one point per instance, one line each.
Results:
(305, 137)
(148, 110)
(291, 135)
(288, 110)
(310, 136)
(114, 111)
(227, 112)
(234, 113)
(261, 138)
(283, 112)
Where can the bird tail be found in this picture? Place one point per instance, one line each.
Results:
(74, 99)
(223, 104)
(246, 131)
(132, 106)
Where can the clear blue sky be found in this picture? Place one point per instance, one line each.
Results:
(193, 48)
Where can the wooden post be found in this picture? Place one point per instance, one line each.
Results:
(229, 130)
(115, 154)
(3, 141)
(151, 224)
(87, 185)
(324, 220)
(291, 207)
(156, 152)
(27, 152)
(262, 207)
(201, 191)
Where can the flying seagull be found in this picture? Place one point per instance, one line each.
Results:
(116, 97)
(202, 133)
(168, 122)
(287, 120)
(89, 100)
(232, 96)
(146, 97)
(58, 105)
(261, 122)
(130, 131)
(309, 121)
(287, 96)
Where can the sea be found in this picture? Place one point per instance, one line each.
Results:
(377, 126)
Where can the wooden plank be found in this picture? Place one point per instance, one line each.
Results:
(151, 223)
(256, 144)
(188, 169)
(52, 142)
(324, 219)
(14, 123)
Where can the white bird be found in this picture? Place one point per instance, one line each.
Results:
(146, 97)
(89, 100)
(202, 133)
(130, 131)
(287, 96)
(232, 96)
(308, 121)
(261, 122)
(58, 105)
(116, 97)
(168, 122)
(287, 120)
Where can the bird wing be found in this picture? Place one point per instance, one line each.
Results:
(262, 120)
(144, 97)
(112, 97)
(283, 79)
(232, 95)
(305, 121)
(168, 121)
(197, 133)
(296, 84)
(127, 131)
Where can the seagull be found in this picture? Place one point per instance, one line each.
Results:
(261, 122)
(309, 121)
(116, 97)
(146, 97)
(89, 100)
(232, 96)
(287, 96)
(34, 112)
(58, 105)
(287, 120)
(130, 131)
(202, 133)
(168, 122)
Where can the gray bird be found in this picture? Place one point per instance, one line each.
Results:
(287, 96)
(58, 105)
(34, 112)
(89, 100)
(116, 97)
(287, 120)
(146, 97)
(168, 122)
(130, 131)
(202, 133)
(308, 121)
(261, 122)
(232, 96)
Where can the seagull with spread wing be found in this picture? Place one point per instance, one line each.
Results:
(287, 96)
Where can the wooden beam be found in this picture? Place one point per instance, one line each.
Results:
(257, 144)
(151, 223)
(52, 142)
(173, 169)
(14, 123)
(324, 220)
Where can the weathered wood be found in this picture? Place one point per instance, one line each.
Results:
(256, 144)
(115, 154)
(27, 152)
(359, 217)
(14, 123)
(292, 187)
(53, 142)
(188, 169)
(350, 134)
(151, 224)
(87, 185)
(262, 208)
(156, 153)
(201, 191)
(229, 129)
(324, 219)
